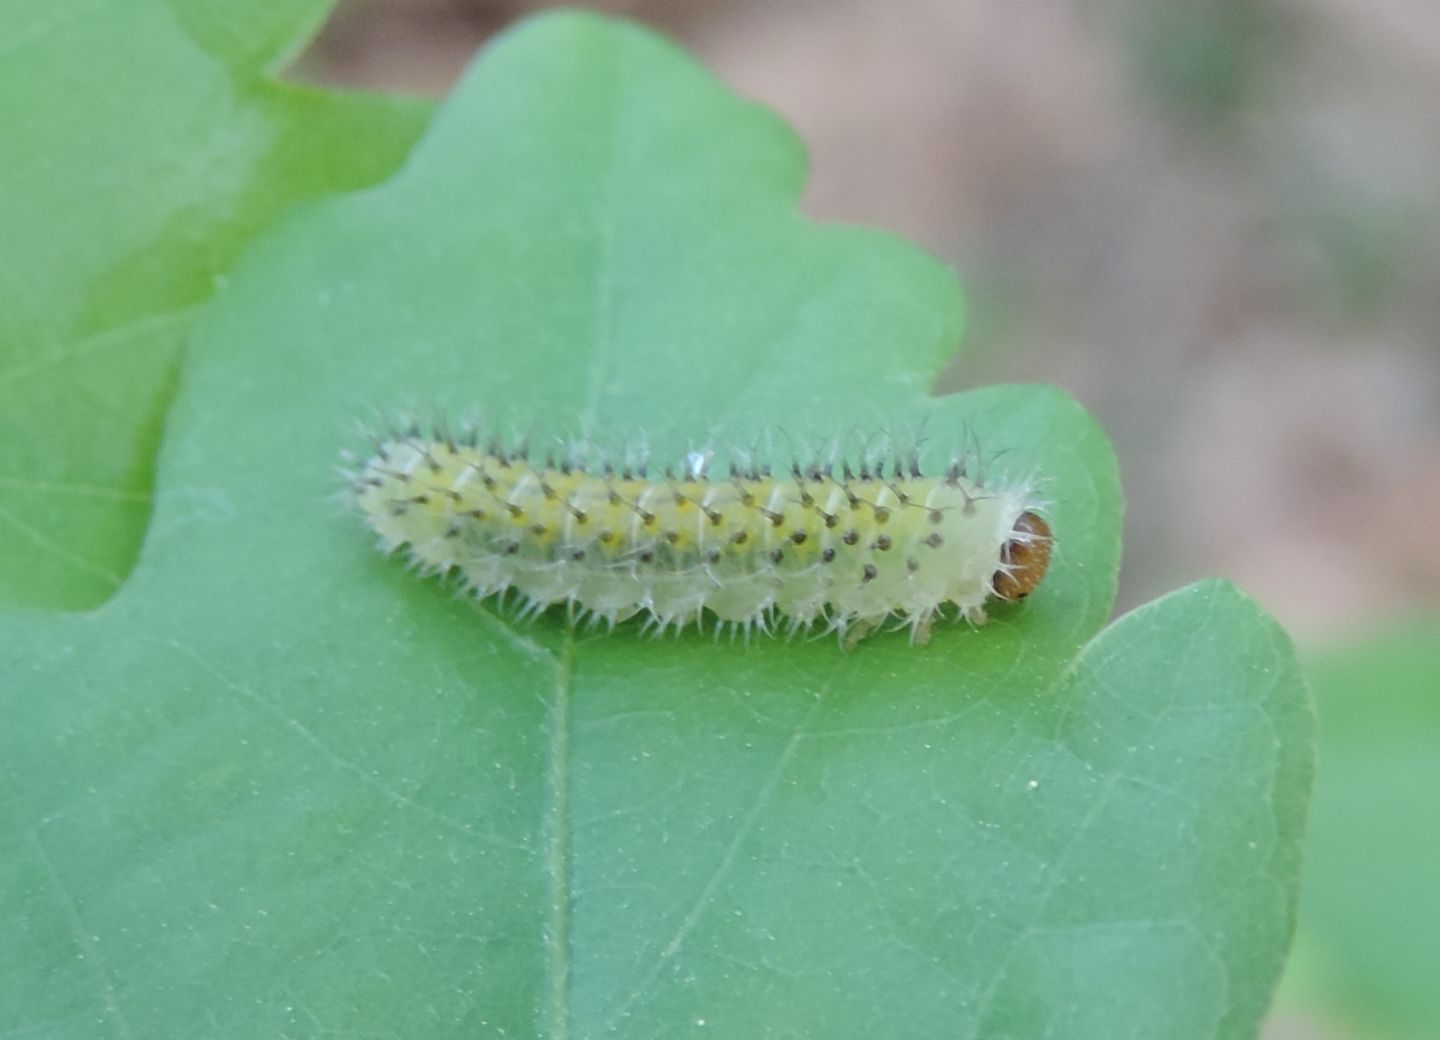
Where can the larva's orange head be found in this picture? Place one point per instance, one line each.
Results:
(1027, 557)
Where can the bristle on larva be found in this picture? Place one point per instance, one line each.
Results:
(849, 549)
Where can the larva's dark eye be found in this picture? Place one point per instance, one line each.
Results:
(1027, 554)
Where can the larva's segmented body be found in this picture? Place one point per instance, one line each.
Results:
(850, 550)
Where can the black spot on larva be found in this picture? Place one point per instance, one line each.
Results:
(776, 556)
(869, 573)
(798, 536)
(740, 537)
(578, 555)
(850, 537)
(510, 549)
(547, 491)
(712, 556)
(421, 500)
(646, 556)
(607, 536)
(830, 518)
(648, 518)
(452, 531)
(827, 554)
(935, 540)
(881, 514)
(515, 511)
(883, 542)
(672, 536)
(936, 516)
(538, 530)
(911, 564)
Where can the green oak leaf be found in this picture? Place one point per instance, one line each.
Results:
(281, 786)
(144, 145)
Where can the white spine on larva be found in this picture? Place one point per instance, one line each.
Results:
(849, 550)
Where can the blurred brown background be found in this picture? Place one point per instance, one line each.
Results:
(1215, 222)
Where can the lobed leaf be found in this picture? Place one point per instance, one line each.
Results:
(278, 786)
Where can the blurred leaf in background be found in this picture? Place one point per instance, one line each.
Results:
(144, 145)
(1368, 950)
(1201, 58)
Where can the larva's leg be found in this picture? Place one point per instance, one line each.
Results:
(920, 631)
(858, 630)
